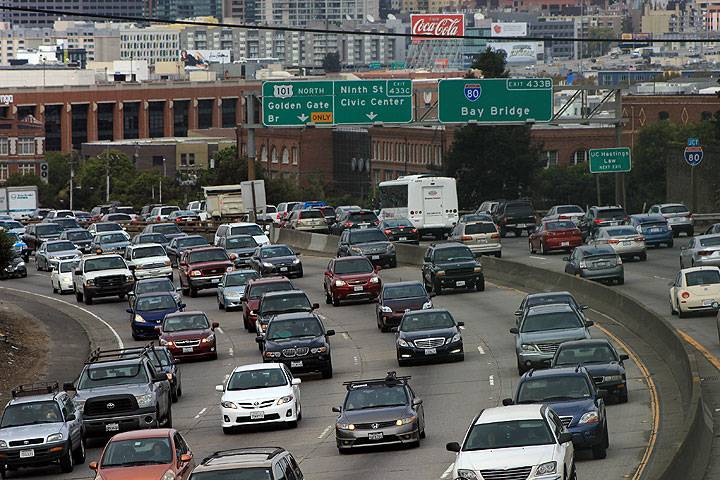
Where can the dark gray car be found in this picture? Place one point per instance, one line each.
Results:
(597, 262)
(370, 242)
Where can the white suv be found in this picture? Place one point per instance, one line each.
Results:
(518, 441)
(244, 228)
(260, 393)
(148, 260)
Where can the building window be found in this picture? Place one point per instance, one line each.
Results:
(551, 158)
(3, 172)
(273, 155)
(205, 113)
(580, 156)
(131, 120)
(4, 146)
(26, 146)
(294, 155)
(285, 156)
(180, 117)
(663, 115)
(187, 159)
(79, 115)
(263, 154)
(156, 119)
(229, 108)
(26, 169)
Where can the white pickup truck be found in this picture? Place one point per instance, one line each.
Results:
(102, 276)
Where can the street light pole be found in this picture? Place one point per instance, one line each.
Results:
(161, 179)
(72, 175)
(107, 174)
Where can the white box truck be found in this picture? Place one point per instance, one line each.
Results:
(224, 201)
(19, 202)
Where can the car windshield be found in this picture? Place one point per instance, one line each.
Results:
(519, 210)
(153, 286)
(290, 302)
(480, 227)
(548, 299)
(305, 214)
(104, 263)
(240, 278)
(394, 292)
(243, 241)
(397, 222)
(208, 256)
(107, 227)
(106, 375)
(560, 225)
(191, 242)
(539, 322)
(168, 210)
(362, 217)
(511, 434)
(253, 379)
(60, 246)
(295, 328)
(675, 209)
(67, 267)
(276, 251)
(127, 210)
(257, 291)
(166, 229)
(48, 229)
(178, 323)
(80, 235)
(135, 452)
(246, 230)
(254, 473)
(654, 224)
(145, 252)
(354, 265)
(376, 396)
(569, 209)
(555, 388)
(585, 354)
(118, 217)
(367, 236)
(158, 302)
(702, 277)
(415, 322)
(152, 238)
(453, 254)
(113, 238)
(611, 213)
(710, 242)
(621, 232)
(31, 413)
(9, 225)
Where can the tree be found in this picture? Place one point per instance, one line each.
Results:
(492, 63)
(597, 49)
(331, 62)
(7, 251)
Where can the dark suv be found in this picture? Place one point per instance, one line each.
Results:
(514, 216)
(451, 265)
(276, 303)
(597, 217)
(270, 463)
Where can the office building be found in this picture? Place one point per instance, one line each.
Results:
(177, 9)
(132, 8)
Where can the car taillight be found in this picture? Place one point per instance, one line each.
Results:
(388, 231)
(613, 241)
(563, 217)
(178, 220)
(376, 222)
(413, 230)
(159, 218)
(597, 220)
(466, 238)
(639, 238)
(704, 253)
(685, 294)
(347, 224)
(495, 236)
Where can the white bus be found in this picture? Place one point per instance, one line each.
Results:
(429, 202)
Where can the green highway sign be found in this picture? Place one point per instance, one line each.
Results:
(495, 100)
(336, 102)
(610, 160)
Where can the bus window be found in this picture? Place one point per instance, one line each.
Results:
(394, 196)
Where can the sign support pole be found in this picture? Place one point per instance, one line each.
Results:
(597, 188)
(251, 154)
(693, 189)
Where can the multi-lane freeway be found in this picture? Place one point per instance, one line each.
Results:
(453, 393)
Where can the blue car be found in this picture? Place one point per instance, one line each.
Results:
(19, 246)
(654, 228)
(571, 393)
(148, 313)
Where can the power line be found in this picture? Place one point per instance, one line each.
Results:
(125, 18)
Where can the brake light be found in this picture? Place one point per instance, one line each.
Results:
(388, 231)
(704, 253)
(612, 241)
(563, 217)
(639, 238)
(466, 238)
(495, 236)
(597, 220)
(178, 220)
(347, 224)
(158, 218)
(685, 294)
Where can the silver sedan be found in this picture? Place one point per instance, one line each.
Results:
(701, 251)
(623, 239)
(52, 252)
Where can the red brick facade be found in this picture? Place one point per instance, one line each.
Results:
(22, 147)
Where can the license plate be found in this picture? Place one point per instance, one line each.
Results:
(402, 239)
(430, 351)
(602, 264)
(215, 280)
(112, 427)
(626, 243)
(283, 269)
(27, 453)
(358, 288)
(257, 415)
(707, 303)
(654, 230)
(521, 225)
(297, 364)
(376, 257)
(460, 283)
(375, 436)
(187, 349)
(482, 240)
(564, 244)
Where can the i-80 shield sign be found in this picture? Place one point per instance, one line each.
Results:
(693, 155)
(472, 91)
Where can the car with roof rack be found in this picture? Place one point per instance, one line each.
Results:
(41, 426)
(267, 463)
(381, 411)
(120, 390)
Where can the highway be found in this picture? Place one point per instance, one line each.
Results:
(453, 393)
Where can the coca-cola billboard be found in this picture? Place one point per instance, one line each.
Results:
(427, 27)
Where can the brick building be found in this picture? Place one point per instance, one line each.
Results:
(21, 146)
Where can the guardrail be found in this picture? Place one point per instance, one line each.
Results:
(682, 445)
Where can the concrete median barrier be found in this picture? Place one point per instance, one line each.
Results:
(681, 446)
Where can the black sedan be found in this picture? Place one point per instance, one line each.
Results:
(241, 246)
(427, 335)
(180, 244)
(370, 242)
(601, 360)
(397, 298)
(282, 260)
(400, 230)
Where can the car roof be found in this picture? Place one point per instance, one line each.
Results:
(191, 236)
(648, 217)
(510, 412)
(243, 271)
(147, 433)
(155, 294)
(439, 246)
(295, 316)
(144, 245)
(709, 235)
(185, 313)
(588, 342)
(401, 284)
(240, 235)
(241, 457)
(104, 255)
(282, 293)
(153, 225)
(71, 230)
(204, 248)
(260, 281)
(556, 372)
(270, 245)
(152, 280)
(662, 205)
(548, 294)
(240, 224)
(257, 366)
(596, 249)
(698, 269)
(351, 258)
(550, 308)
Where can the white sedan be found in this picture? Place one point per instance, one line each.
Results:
(260, 393)
(61, 276)
(695, 289)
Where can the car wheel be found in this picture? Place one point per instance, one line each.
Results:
(498, 254)
(335, 301)
(573, 473)
(531, 248)
(173, 394)
(437, 288)
(220, 305)
(300, 273)
(328, 298)
(600, 451)
(185, 291)
(623, 397)
(66, 462)
(328, 372)
(682, 314)
(80, 453)
(88, 299)
(343, 451)
(480, 284)
(379, 322)
(402, 363)
(121, 296)
(671, 244)
(168, 418)
(78, 296)
(621, 281)
(193, 292)
(228, 430)
(393, 263)
(503, 232)
(542, 248)
(3, 471)
(643, 256)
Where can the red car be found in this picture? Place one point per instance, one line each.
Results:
(253, 293)
(189, 335)
(557, 235)
(350, 278)
(203, 267)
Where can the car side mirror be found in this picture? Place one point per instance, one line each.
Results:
(514, 331)
(77, 271)
(221, 285)
(452, 447)
(182, 305)
(93, 466)
(215, 325)
(432, 294)
(584, 307)
(131, 294)
(161, 377)
(219, 388)
(624, 356)
(565, 437)
(330, 333)
(337, 409)
(131, 267)
(460, 324)
(157, 329)
(296, 381)
(186, 457)
(129, 310)
(589, 323)
(259, 339)
(417, 402)
(507, 402)
(377, 268)
(243, 298)
(394, 329)
(566, 259)
(70, 417)
(518, 313)
(315, 306)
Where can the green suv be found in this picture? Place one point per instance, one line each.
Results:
(451, 265)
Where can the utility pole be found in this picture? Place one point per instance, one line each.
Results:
(107, 174)
(72, 175)
(250, 126)
(161, 179)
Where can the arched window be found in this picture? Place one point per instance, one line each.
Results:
(663, 115)
(273, 155)
(285, 156)
(294, 155)
(263, 154)
(580, 156)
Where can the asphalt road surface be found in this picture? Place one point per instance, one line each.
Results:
(453, 393)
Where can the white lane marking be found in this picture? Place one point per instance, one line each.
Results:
(661, 278)
(356, 360)
(201, 412)
(231, 352)
(481, 350)
(491, 379)
(324, 432)
(538, 258)
(345, 336)
(220, 330)
(39, 275)
(447, 471)
(119, 341)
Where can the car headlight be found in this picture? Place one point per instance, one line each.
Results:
(3, 444)
(318, 350)
(455, 338)
(138, 318)
(98, 477)
(613, 378)
(546, 468)
(229, 269)
(374, 279)
(478, 269)
(346, 426)
(469, 474)
(583, 264)
(55, 437)
(145, 401)
(79, 403)
(169, 475)
(195, 273)
(296, 261)
(272, 354)
(90, 282)
(528, 347)
(390, 247)
(21, 263)
(385, 309)
(356, 250)
(402, 343)
(405, 421)
(230, 405)
(589, 418)
(441, 273)
(285, 399)
(209, 338)
(427, 305)
(166, 343)
(168, 263)
(129, 278)
(340, 283)
(267, 264)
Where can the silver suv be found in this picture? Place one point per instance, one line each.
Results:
(272, 463)
(41, 426)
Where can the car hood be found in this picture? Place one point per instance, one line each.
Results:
(155, 315)
(87, 241)
(261, 239)
(267, 316)
(554, 336)
(402, 304)
(114, 245)
(140, 472)
(186, 334)
(436, 333)
(372, 247)
(574, 408)
(603, 369)
(64, 253)
(504, 458)
(150, 260)
(190, 247)
(294, 343)
(105, 273)
(132, 389)
(354, 277)
(256, 394)
(279, 260)
(170, 236)
(31, 431)
(19, 231)
(221, 263)
(386, 414)
(238, 290)
(243, 252)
